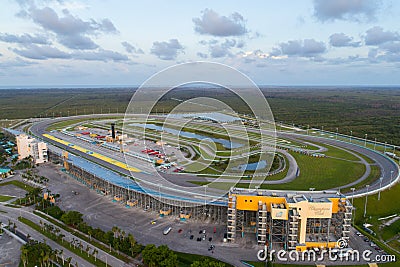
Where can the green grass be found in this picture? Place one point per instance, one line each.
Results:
(374, 174)
(186, 259)
(339, 153)
(321, 173)
(376, 209)
(18, 184)
(64, 244)
(5, 198)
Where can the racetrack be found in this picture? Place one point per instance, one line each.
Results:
(389, 169)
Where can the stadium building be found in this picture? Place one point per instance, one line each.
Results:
(289, 220)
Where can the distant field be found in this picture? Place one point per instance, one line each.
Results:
(371, 110)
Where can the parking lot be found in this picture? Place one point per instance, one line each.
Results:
(9, 251)
(147, 227)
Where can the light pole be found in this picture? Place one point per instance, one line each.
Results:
(351, 135)
(337, 130)
(365, 141)
(366, 201)
(380, 187)
(308, 128)
(375, 144)
(384, 151)
(322, 129)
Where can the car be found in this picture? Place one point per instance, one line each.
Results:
(210, 239)
(153, 222)
(366, 239)
(180, 231)
(200, 232)
(167, 230)
(191, 237)
(359, 234)
(199, 239)
(372, 244)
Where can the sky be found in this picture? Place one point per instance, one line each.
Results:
(123, 42)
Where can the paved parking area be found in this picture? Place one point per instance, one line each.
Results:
(9, 251)
(100, 211)
(12, 190)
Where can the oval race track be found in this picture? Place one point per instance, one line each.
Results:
(389, 169)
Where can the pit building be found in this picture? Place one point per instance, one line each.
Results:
(289, 220)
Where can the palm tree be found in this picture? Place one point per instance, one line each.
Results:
(68, 260)
(61, 236)
(87, 249)
(62, 255)
(73, 242)
(24, 256)
(90, 235)
(114, 230)
(94, 254)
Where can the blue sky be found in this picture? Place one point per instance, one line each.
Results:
(315, 42)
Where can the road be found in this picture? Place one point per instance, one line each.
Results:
(27, 213)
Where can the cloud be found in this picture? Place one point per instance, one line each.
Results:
(307, 48)
(71, 31)
(253, 56)
(131, 49)
(386, 52)
(167, 50)
(100, 55)
(24, 38)
(342, 40)
(202, 55)
(17, 62)
(33, 51)
(377, 36)
(211, 23)
(218, 49)
(356, 10)
(45, 52)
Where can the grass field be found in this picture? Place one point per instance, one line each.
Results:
(322, 173)
(5, 198)
(186, 259)
(19, 184)
(376, 209)
(375, 174)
